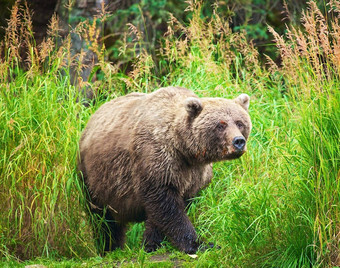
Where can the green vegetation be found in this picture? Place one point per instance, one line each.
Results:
(276, 206)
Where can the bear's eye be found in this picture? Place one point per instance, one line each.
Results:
(221, 125)
(239, 124)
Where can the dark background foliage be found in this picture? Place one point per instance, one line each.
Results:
(151, 18)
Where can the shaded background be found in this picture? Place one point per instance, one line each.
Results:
(151, 17)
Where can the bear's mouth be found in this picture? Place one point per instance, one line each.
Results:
(234, 154)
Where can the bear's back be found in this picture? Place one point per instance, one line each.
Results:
(109, 116)
(135, 109)
(108, 143)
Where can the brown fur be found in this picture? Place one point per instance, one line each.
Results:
(143, 155)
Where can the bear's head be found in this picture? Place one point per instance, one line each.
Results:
(215, 128)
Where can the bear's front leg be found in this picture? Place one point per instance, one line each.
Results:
(152, 237)
(165, 209)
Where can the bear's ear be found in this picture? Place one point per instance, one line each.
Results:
(243, 100)
(193, 106)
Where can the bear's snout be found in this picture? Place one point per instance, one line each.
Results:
(239, 143)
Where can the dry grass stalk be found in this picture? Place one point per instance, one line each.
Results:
(143, 64)
(133, 31)
(289, 59)
(95, 52)
(272, 66)
(53, 27)
(310, 55)
(334, 6)
(336, 46)
(286, 12)
(12, 35)
(20, 47)
(203, 40)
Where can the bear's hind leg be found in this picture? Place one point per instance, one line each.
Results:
(114, 235)
(109, 234)
(152, 237)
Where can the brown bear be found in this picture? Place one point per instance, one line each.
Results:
(142, 156)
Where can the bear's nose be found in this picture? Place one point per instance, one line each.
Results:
(239, 143)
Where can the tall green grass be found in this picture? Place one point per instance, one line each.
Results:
(40, 197)
(311, 69)
(320, 143)
(276, 206)
(41, 200)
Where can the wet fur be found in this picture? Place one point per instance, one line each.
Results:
(143, 155)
